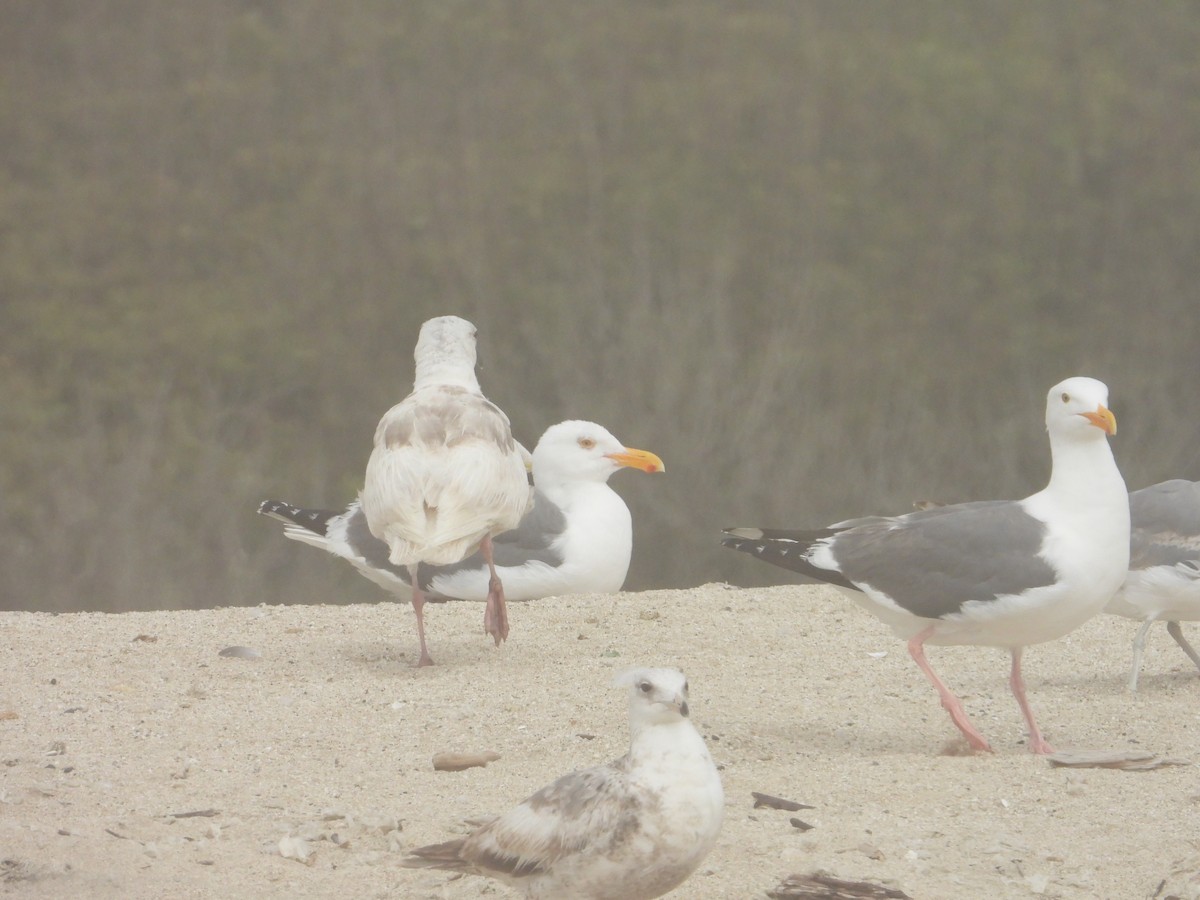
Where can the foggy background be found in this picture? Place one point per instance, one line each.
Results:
(823, 258)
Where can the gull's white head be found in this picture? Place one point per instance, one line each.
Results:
(656, 696)
(1078, 409)
(445, 353)
(584, 451)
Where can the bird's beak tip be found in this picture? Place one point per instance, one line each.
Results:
(1103, 419)
(638, 459)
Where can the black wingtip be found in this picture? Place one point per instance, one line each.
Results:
(277, 509)
(747, 540)
(786, 549)
(315, 520)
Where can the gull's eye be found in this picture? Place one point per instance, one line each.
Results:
(1066, 398)
(587, 443)
(645, 687)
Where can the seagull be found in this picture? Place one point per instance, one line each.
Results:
(992, 573)
(445, 474)
(577, 538)
(629, 830)
(1164, 564)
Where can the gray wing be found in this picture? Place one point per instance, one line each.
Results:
(371, 549)
(1165, 524)
(934, 561)
(531, 541)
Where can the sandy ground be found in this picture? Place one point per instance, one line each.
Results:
(136, 762)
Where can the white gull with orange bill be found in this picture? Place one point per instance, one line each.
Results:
(577, 538)
(994, 573)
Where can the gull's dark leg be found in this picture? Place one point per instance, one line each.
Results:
(418, 605)
(495, 613)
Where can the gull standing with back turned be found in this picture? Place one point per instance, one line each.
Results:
(445, 474)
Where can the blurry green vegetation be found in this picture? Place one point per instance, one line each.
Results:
(824, 258)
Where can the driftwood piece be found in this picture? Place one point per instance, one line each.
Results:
(456, 762)
(777, 802)
(1133, 760)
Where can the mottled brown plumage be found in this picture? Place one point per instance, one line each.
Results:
(445, 474)
(630, 830)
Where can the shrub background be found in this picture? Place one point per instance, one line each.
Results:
(824, 258)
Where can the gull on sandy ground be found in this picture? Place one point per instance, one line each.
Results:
(445, 474)
(630, 830)
(1164, 565)
(993, 573)
(577, 538)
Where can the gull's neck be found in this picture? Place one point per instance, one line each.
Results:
(446, 371)
(653, 738)
(561, 489)
(1083, 470)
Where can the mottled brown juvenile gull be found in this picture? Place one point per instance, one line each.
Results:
(1164, 565)
(577, 538)
(445, 474)
(994, 573)
(630, 830)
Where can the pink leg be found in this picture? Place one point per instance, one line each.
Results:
(418, 605)
(1036, 742)
(916, 649)
(495, 612)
